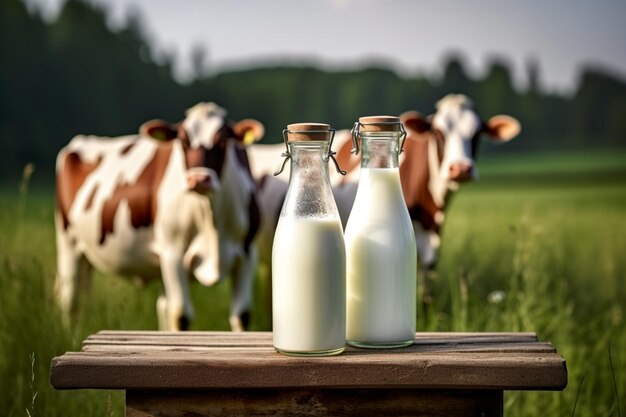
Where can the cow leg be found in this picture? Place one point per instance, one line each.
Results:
(161, 306)
(71, 267)
(241, 291)
(176, 311)
(427, 242)
(72, 270)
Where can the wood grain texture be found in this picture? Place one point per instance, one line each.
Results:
(268, 402)
(220, 360)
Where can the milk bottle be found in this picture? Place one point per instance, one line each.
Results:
(308, 255)
(380, 244)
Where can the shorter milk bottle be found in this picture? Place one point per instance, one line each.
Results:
(308, 254)
(380, 244)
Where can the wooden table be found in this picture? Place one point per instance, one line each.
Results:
(223, 373)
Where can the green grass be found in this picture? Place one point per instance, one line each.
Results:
(547, 231)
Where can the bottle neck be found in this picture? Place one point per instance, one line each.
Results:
(380, 149)
(309, 193)
(309, 159)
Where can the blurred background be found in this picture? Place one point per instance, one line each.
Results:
(536, 245)
(104, 67)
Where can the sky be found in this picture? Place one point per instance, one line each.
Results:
(412, 37)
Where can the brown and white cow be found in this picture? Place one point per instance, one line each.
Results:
(151, 209)
(439, 154)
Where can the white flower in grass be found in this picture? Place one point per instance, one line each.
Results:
(496, 297)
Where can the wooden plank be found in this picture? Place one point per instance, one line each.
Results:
(253, 355)
(141, 346)
(314, 403)
(240, 338)
(179, 340)
(268, 335)
(187, 335)
(255, 368)
(253, 342)
(200, 341)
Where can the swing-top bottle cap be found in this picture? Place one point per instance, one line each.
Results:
(380, 124)
(304, 132)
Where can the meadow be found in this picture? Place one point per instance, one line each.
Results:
(538, 244)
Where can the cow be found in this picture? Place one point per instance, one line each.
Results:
(439, 154)
(184, 206)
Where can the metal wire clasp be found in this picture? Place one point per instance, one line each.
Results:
(356, 131)
(287, 154)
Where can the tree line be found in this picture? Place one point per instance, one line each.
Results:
(77, 75)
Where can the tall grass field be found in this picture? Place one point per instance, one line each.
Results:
(538, 244)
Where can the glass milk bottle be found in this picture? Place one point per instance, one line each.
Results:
(380, 244)
(308, 256)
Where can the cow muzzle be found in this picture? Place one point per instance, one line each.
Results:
(461, 172)
(202, 180)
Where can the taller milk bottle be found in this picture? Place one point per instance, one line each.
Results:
(380, 244)
(308, 256)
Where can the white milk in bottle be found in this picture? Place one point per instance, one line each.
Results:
(309, 307)
(380, 244)
(308, 254)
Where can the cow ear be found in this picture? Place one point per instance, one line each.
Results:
(502, 128)
(249, 131)
(415, 122)
(158, 129)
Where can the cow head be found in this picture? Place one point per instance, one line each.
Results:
(201, 125)
(205, 125)
(456, 128)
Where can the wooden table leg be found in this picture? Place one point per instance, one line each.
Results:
(318, 402)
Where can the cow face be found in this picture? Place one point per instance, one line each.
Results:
(201, 124)
(205, 125)
(458, 125)
(456, 128)
(206, 134)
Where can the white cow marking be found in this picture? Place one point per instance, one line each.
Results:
(113, 170)
(458, 123)
(202, 122)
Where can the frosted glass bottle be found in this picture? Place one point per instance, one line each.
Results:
(308, 254)
(380, 243)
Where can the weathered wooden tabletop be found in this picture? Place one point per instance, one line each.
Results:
(144, 361)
